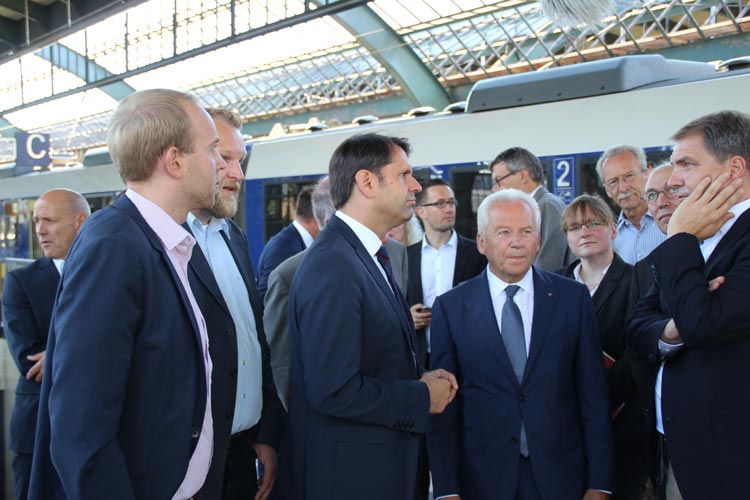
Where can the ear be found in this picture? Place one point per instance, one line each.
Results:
(366, 181)
(480, 244)
(614, 231)
(80, 219)
(737, 167)
(175, 162)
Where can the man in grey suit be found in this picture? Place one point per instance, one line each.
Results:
(518, 168)
(276, 311)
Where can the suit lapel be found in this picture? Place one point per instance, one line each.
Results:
(460, 266)
(479, 304)
(124, 204)
(609, 283)
(738, 231)
(415, 274)
(545, 303)
(200, 266)
(342, 228)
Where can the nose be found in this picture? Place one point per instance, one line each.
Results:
(235, 170)
(41, 228)
(677, 178)
(414, 185)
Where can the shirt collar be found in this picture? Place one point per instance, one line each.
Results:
(307, 238)
(737, 209)
(452, 241)
(214, 225)
(645, 220)
(166, 228)
(366, 235)
(498, 286)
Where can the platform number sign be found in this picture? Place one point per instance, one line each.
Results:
(32, 149)
(564, 177)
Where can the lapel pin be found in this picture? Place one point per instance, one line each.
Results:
(549, 294)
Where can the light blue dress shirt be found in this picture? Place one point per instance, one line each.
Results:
(249, 401)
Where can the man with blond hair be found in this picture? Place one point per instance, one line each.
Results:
(125, 410)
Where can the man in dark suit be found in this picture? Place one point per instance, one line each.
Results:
(247, 412)
(124, 411)
(442, 260)
(28, 297)
(695, 329)
(518, 168)
(358, 403)
(531, 419)
(289, 241)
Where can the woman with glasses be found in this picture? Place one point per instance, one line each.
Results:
(590, 228)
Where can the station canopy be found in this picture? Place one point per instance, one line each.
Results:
(274, 60)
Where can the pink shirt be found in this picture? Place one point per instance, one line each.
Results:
(178, 243)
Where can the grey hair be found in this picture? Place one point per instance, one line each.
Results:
(637, 151)
(322, 203)
(506, 196)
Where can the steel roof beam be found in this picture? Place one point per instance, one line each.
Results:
(417, 81)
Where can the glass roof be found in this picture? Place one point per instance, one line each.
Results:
(318, 62)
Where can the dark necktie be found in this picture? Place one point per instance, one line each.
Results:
(385, 263)
(511, 329)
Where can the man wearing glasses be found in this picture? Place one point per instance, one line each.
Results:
(623, 171)
(518, 168)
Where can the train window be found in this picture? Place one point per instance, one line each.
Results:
(15, 231)
(280, 203)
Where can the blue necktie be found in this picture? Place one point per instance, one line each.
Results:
(511, 329)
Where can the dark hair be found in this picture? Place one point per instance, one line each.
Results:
(304, 203)
(420, 196)
(517, 159)
(360, 152)
(725, 134)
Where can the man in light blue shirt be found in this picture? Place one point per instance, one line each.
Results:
(623, 171)
(246, 408)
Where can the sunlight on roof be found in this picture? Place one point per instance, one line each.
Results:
(63, 109)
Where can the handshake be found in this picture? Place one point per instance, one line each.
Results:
(442, 386)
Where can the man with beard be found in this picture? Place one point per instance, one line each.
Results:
(623, 171)
(698, 335)
(247, 411)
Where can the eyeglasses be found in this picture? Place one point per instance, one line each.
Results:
(625, 179)
(652, 195)
(592, 225)
(501, 179)
(441, 204)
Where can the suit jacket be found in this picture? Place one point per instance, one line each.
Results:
(223, 350)
(124, 389)
(705, 399)
(28, 297)
(469, 263)
(357, 405)
(611, 303)
(562, 400)
(276, 313)
(280, 247)
(554, 252)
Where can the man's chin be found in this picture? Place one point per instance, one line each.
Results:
(224, 208)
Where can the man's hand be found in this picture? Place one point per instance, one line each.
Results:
(715, 283)
(670, 335)
(267, 456)
(442, 386)
(421, 319)
(36, 372)
(707, 208)
(595, 495)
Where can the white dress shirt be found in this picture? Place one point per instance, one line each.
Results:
(307, 238)
(438, 267)
(524, 299)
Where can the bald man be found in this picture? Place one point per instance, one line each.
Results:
(28, 297)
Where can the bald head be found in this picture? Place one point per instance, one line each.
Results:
(58, 216)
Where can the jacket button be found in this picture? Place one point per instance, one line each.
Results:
(230, 332)
(195, 433)
(522, 397)
(233, 372)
